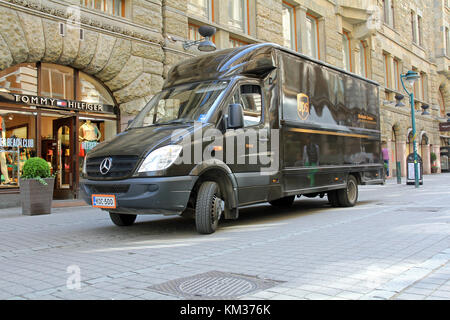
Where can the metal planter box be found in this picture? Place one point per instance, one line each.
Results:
(35, 197)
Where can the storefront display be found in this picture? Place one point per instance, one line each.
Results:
(59, 116)
(17, 144)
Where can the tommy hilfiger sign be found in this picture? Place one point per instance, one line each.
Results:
(56, 103)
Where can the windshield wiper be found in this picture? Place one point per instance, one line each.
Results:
(181, 120)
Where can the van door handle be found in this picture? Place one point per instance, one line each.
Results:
(263, 139)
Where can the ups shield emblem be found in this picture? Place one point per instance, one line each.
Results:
(303, 106)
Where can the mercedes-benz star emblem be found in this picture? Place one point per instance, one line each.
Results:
(105, 166)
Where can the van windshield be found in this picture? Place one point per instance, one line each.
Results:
(183, 103)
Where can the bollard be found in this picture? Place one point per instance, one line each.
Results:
(399, 173)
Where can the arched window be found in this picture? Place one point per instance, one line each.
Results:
(63, 82)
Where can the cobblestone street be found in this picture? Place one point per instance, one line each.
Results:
(395, 244)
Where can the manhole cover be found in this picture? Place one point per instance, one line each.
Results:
(214, 285)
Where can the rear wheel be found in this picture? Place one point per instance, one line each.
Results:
(349, 196)
(121, 219)
(285, 202)
(209, 207)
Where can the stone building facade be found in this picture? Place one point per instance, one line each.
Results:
(128, 46)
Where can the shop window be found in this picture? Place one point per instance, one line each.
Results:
(64, 136)
(17, 144)
(57, 81)
(289, 26)
(91, 91)
(20, 79)
(92, 132)
(112, 7)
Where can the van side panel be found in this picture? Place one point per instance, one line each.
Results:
(330, 126)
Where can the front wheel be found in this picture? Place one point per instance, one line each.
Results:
(121, 219)
(209, 207)
(348, 196)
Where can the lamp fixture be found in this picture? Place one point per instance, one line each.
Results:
(411, 77)
(205, 44)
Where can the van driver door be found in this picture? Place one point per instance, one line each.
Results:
(251, 144)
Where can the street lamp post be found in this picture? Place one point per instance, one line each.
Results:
(411, 77)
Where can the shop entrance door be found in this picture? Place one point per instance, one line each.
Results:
(63, 163)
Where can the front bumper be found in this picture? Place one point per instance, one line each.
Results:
(165, 195)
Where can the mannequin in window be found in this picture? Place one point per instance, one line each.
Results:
(4, 168)
(89, 132)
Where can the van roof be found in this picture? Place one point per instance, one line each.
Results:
(253, 60)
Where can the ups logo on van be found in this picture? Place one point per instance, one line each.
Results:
(303, 106)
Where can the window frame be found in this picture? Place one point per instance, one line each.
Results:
(348, 58)
(245, 16)
(209, 10)
(363, 58)
(387, 71)
(91, 4)
(315, 36)
(420, 30)
(389, 13)
(414, 27)
(447, 41)
(237, 41)
(293, 25)
(396, 73)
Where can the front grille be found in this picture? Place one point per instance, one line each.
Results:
(108, 189)
(121, 167)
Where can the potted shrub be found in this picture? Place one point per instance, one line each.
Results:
(433, 157)
(36, 187)
(434, 168)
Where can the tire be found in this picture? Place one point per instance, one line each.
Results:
(285, 202)
(349, 196)
(208, 208)
(333, 198)
(121, 219)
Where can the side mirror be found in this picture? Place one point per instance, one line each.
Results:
(235, 116)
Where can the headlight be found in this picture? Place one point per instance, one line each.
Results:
(161, 158)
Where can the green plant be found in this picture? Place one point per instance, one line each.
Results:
(36, 168)
(433, 157)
